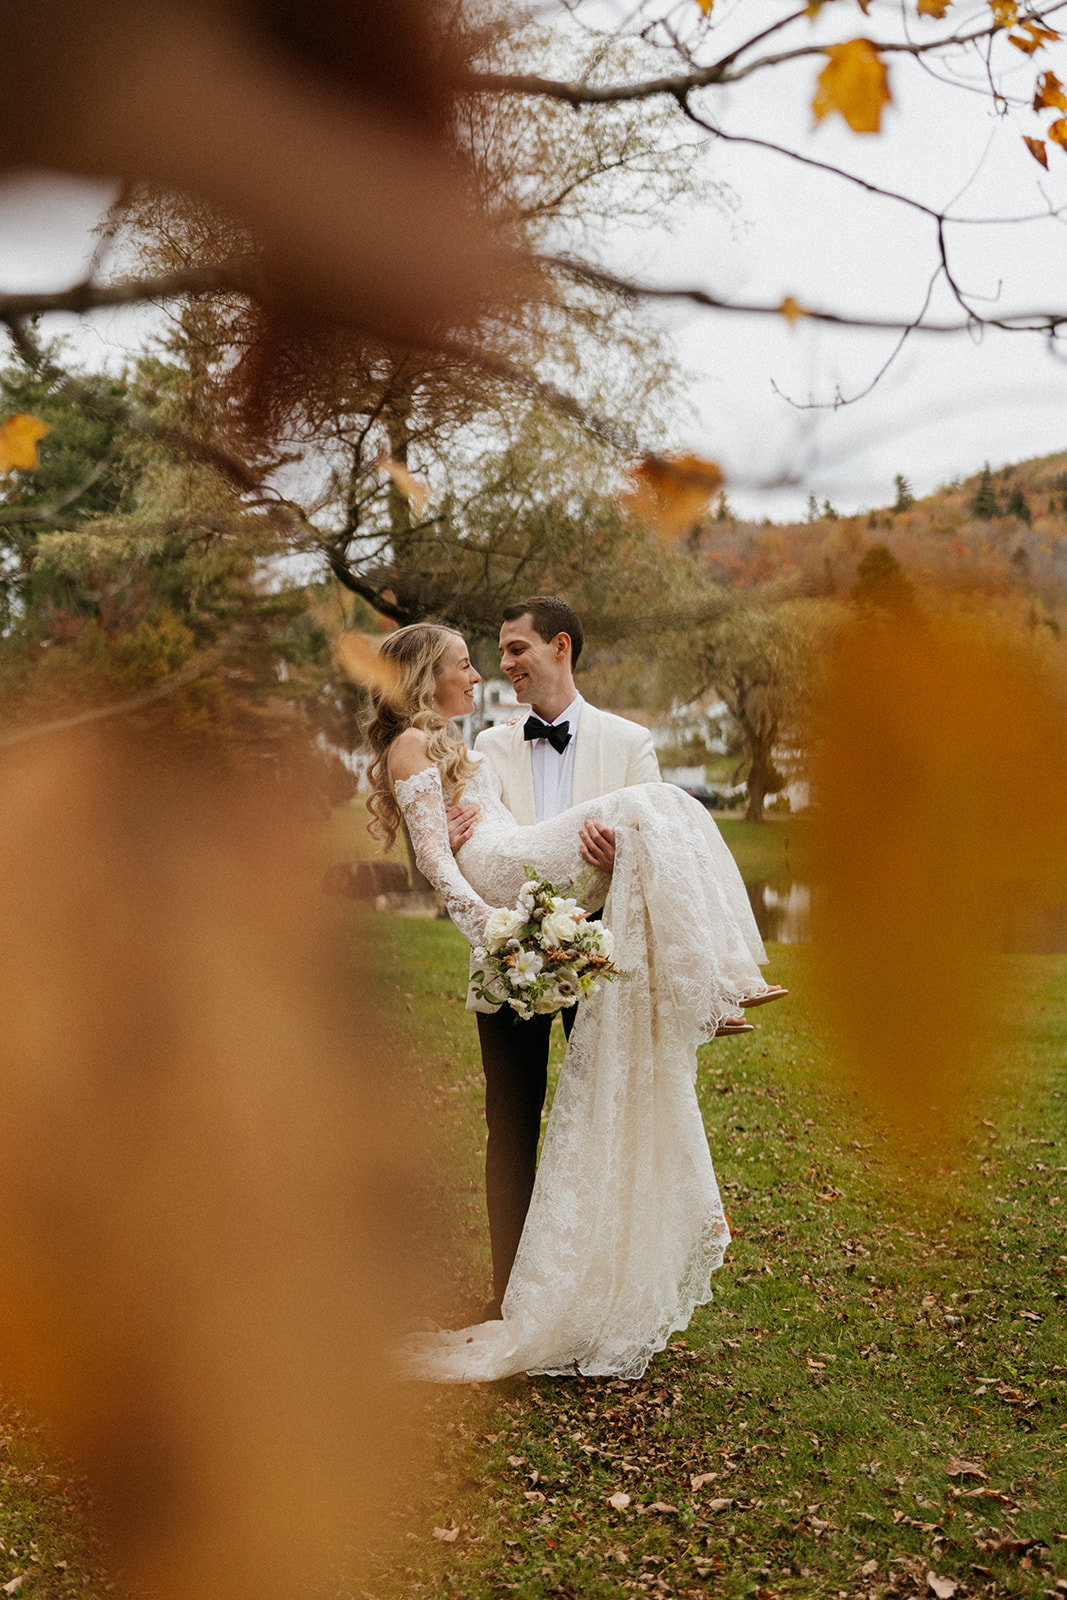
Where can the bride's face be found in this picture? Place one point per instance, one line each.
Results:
(454, 680)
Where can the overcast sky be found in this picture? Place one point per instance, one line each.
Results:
(946, 405)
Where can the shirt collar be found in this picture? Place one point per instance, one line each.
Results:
(571, 715)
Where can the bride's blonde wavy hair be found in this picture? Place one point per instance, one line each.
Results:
(416, 651)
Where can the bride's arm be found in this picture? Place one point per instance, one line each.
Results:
(417, 786)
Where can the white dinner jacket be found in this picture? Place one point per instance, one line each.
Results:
(610, 752)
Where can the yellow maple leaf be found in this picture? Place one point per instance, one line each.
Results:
(413, 491)
(671, 493)
(1036, 148)
(792, 310)
(19, 438)
(1005, 13)
(933, 8)
(705, 6)
(1049, 92)
(1057, 132)
(1027, 46)
(364, 662)
(855, 83)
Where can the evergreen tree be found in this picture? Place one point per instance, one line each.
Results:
(1017, 506)
(905, 499)
(985, 504)
(829, 511)
(813, 509)
(881, 583)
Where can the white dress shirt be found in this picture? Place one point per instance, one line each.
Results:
(553, 770)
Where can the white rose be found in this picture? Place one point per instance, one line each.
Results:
(559, 928)
(606, 941)
(503, 924)
(528, 895)
(527, 966)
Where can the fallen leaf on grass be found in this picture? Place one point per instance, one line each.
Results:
(446, 1535)
(699, 1479)
(964, 1469)
(14, 1585)
(620, 1500)
(944, 1588)
(719, 1505)
(658, 1505)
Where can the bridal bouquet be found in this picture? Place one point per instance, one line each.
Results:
(543, 953)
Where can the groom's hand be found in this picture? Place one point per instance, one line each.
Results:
(462, 821)
(598, 845)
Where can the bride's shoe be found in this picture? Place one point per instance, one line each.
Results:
(733, 1025)
(775, 992)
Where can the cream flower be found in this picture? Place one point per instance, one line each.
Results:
(527, 966)
(559, 927)
(502, 925)
(559, 903)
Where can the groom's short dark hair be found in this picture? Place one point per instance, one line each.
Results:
(549, 617)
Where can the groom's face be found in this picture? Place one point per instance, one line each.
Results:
(538, 668)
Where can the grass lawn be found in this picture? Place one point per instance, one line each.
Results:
(875, 1394)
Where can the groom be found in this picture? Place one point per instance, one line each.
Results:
(565, 752)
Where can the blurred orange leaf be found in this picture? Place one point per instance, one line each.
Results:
(1027, 46)
(921, 878)
(855, 83)
(1049, 92)
(19, 438)
(1036, 148)
(705, 6)
(791, 309)
(1057, 131)
(671, 492)
(933, 8)
(364, 662)
(410, 487)
(1005, 13)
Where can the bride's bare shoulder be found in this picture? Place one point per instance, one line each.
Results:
(407, 754)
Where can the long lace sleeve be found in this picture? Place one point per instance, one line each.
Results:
(423, 804)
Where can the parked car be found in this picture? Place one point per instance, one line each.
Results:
(715, 799)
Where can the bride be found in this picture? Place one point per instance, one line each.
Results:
(625, 1225)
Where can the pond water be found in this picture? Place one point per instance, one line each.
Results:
(783, 915)
(782, 911)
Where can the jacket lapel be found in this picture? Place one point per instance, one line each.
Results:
(519, 795)
(588, 757)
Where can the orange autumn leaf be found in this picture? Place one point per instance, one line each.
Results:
(792, 310)
(1039, 31)
(1027, 46)
(705, 6)
(1036, 148)
(414, 492)
(364, 662)
(19, 438)
(855, 83)
(1049, 93)
(865, 6)
(671, 493)
(920, 877)
(1057, 132)
(933, 8)
(1005, 13)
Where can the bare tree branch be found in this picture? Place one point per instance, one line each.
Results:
(241, 275)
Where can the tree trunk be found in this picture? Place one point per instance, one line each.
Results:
(759, 776)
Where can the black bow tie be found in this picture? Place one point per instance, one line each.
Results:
(558, 736)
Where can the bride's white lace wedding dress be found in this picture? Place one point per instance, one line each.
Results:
(625, 1225)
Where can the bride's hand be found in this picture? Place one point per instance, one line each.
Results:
(598, 845)
(462, 821)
